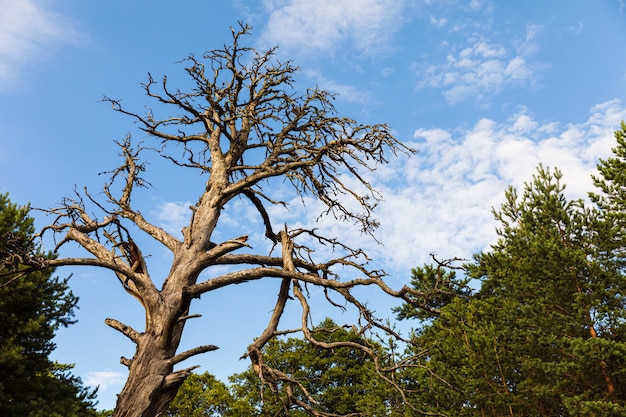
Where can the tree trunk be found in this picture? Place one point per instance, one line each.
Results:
(151, 383)
(606, 373)
(146, 382)
(604, 368)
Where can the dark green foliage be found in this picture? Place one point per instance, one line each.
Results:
(204, 396)
(33, 305)
(342, 380)
(612, 180)
(17, 248)
(437, 287)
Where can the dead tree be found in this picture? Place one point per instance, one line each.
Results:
(241, 125)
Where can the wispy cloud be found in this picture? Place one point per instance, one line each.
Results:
(173, 216)
(27, 31)
(482, 67)
(105, 379)
(303, 26)
(344, 92)
(442, 21)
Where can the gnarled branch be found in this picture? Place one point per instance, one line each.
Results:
(125, 329)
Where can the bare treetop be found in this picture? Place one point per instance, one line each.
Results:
(241, 124)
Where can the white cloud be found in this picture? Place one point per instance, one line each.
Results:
(344, 92)
(174, 215)
(441, 201)
(104, 379)
(482, 67)
(442, 21)
(529, 46)
(387, 72)
(27, 31)
(576, 29)
(517, 69)
(303, 26)
(477, 4)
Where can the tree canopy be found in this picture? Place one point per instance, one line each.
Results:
(203, 395)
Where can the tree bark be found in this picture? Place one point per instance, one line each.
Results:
(606, 373)
(147, 381)
(152, 382)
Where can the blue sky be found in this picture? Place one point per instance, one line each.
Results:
(484, 90)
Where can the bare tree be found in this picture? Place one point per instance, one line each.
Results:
(241, 125)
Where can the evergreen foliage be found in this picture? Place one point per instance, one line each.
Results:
(436, 287)
(33, 305)
(203, 395)
(611, 199)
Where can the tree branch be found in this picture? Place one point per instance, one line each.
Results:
(126, 330)
(281, 301)
(192, 352)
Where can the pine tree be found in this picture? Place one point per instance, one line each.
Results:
(436, 287)
(33, 305)
(544, 334)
